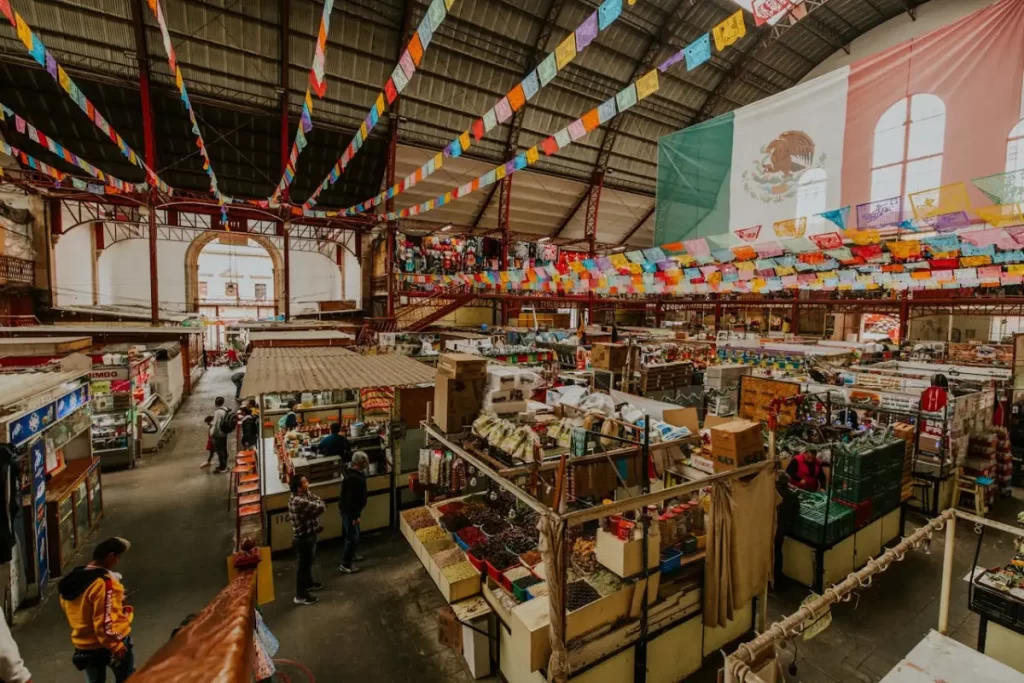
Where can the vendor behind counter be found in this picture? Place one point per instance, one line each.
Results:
(336, 443)
(806, 472)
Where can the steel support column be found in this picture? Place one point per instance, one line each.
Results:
(389, 174)
(593, 205)
(284, 85)
(98, 242)
(794, 315)
(718, 317)
(142, 58)
(904, 317)
(154, 276)
(504, 210)
(287, 289)
(56, 219)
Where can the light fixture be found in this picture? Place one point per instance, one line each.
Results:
(543, 239)
(446, 228)
(619, 249)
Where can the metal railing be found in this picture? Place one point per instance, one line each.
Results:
(17, 271)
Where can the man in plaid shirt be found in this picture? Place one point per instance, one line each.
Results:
(304, 510)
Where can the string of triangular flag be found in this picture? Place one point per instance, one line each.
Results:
(725, 34)
(45, 59)
(437, 11)
(566, 51)
(222, 199)
(317, 83)
(37, 136)
(58, 175)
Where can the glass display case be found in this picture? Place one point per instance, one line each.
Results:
(310, 400)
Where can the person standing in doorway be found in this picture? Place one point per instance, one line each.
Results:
(221, 431)
(92, 598)
(304, 510)
(352, 502)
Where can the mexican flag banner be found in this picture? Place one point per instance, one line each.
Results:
(935, 111)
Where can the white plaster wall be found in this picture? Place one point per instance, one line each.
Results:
(314, 277)
(353, 279)
(124, 274)
(931, 16)
(72, 272)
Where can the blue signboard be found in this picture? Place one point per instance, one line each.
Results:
(37, 460)
(20, 431)
(72, 402)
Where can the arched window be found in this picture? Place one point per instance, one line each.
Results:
(812, 198)
(909, 141)
(1015, 148)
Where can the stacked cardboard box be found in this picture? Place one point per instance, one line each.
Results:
(736, 443)
(458, 390)
(608, 356)
(904, 431)
(723, 382)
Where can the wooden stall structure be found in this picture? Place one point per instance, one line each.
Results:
(300, 338)
(333, 384)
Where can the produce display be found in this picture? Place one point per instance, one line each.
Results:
(431, 533)
(517, 442)
(458, 571)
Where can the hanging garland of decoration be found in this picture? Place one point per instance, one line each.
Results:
(33, 163)
(318, 84)
(45, 59)
(222, 199)
(40, 138)
(503, 109)
(397, 82)
(697, 53)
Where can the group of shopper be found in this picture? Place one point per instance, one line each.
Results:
(305, 509)
(222, 424)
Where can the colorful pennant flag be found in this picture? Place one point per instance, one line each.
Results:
(766, 10)
(698, 52)
(729, 31)
(840, 217)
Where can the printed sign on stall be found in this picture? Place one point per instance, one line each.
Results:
(37, 458)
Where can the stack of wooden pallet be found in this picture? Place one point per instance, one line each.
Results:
(667, 376)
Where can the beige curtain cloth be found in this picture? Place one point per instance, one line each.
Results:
(552, 550)
(740, 544)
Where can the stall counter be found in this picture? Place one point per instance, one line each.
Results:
(376, 515)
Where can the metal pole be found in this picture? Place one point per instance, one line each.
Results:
(947, 576)
(287, 270)
(154, 284)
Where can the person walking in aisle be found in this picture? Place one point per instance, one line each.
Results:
(237, 379)
(92, 598)
(352, 502)
(250, 428)
(304, 510)
(209, 442)
(222, 428)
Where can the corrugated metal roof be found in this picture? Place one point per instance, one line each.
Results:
(230, 57)
(297, 335)
(19, 386)
(316, 369)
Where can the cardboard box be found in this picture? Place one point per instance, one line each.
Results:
(736, 443)
(609, 356)
(625, 558)
(462, 366)
(929, 443)
(457, 402)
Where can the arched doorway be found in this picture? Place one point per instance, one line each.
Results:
(233, 276)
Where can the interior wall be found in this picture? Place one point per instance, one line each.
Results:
(72, 274)
(931, 16)
(937, 327)
(353, 278)
(124, 273)
(314, 277)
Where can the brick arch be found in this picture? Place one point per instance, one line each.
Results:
(192, 267)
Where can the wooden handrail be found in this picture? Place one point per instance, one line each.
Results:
(216, 646)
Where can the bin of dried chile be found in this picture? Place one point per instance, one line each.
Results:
(531, 558)
(494, 527)
(520, 544)
(580, 594)
(472, 536)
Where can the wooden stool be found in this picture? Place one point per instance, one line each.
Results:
(974, 487)
(248, 514)
(237, 475)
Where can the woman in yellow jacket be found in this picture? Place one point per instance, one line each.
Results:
(92, 598)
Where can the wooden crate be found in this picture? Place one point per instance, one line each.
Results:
(625, 558)
(669, 376)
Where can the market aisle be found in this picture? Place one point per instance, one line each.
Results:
(175, 516)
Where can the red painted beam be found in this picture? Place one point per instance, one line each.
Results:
(639, 224)
(56, 218)
(287, 275)
(100, 235)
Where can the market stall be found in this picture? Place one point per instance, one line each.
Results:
(628, 590)
(300, 338)
(45, 425)
(375, 396)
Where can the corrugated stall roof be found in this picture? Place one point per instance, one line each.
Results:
(317, 369)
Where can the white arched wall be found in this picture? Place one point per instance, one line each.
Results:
(72, 272)
(124, 274)
(931, 16)
(313, 277)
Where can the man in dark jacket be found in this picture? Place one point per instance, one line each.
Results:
(352, 502)
(335, 443)
(250, 427)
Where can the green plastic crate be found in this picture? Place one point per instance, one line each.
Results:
(810, 524)
(887, 501)
(853, 490)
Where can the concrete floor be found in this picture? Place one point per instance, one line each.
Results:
(380, 624)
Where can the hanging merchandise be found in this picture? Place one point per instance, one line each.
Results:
(400, 77)
(503, 109)
(222, 199)
(37, 136)
(46, 60)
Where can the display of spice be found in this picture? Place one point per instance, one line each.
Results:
(502, 560)
(418, 518)
(526, 581)
(605, 582)
(516, 573)
(431, 533)
(583, 556)
(471, 536)
(539, 589)
(449, 557)
(580, 594)
(454, 521)
(531, 558)
(479, 515)
(459, 571)
(520, 543)
(494, 527)
(449, 508)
